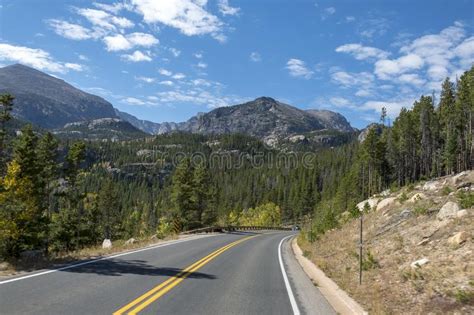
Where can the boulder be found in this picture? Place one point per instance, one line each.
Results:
(107, 244)
(405, 213)
(385, 193)
(461, 213)
(371, 201)
(130, 241)
(387, 202)
(463, 178)
(459, 238)
(417, 196)
(432, 185)
(419, 263)
(449, 210)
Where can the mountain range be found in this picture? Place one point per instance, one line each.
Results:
(54, 104)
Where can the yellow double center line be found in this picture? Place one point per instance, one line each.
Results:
(154, 294)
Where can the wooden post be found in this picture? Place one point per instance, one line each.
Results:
(360, 248)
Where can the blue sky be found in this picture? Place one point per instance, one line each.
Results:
(166, 60)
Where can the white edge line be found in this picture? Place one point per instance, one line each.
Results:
(100, 259)
(294, 306)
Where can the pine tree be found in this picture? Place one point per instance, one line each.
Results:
(202, 194)
(446, 111)
(463, 121)
(182, 195)
(109, 206)
(6, 106)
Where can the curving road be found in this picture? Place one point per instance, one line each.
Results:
(235, 273)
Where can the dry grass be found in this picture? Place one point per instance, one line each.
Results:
(443, 286)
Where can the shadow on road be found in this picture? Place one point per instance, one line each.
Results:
(116, 267)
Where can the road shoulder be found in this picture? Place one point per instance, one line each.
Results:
(340, 301)
(308, 296)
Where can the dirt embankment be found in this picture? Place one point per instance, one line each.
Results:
(418, 250)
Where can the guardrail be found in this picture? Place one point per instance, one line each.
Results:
(231, 228)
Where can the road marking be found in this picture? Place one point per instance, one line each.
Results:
(154, 294)
(294, 306)
(100, 259)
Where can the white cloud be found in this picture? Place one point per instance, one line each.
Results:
(340, 102)
(465, 51)
(255, 57)
(393, 106)
(112, 8)
(226, 9)
(201, 82)
(178, 76)
(297, 68)
(188, 16)
(198, 55)
(364, 92)
(385, 69)
(83, 58)
(165, 72)
(167, 83)
(175, 52)
(200, 97)
(134, 101)
(330, 10)
(71, 31)
(362, 52)
(438, 50)
(36, 58)
(347, 79)
(411, 78)
(369, 28)
(145, 79)
(120, 42)
(105, 20)
(327, 12)
(350, 19)
(74, 66)
(136, 56)
(202, 65)
(117, 42)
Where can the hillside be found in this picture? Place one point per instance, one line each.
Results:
(146, 125)
(47, 101)
(331, 120)
(430, 223)
(100, 129)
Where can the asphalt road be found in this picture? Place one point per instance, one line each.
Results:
(239, 273)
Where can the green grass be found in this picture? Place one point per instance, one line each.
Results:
(466, 199)
(464, 297)
(369, 262)
(420, 210)
(403, 197)
(446, 190)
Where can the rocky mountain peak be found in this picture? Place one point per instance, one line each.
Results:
(47, 101)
